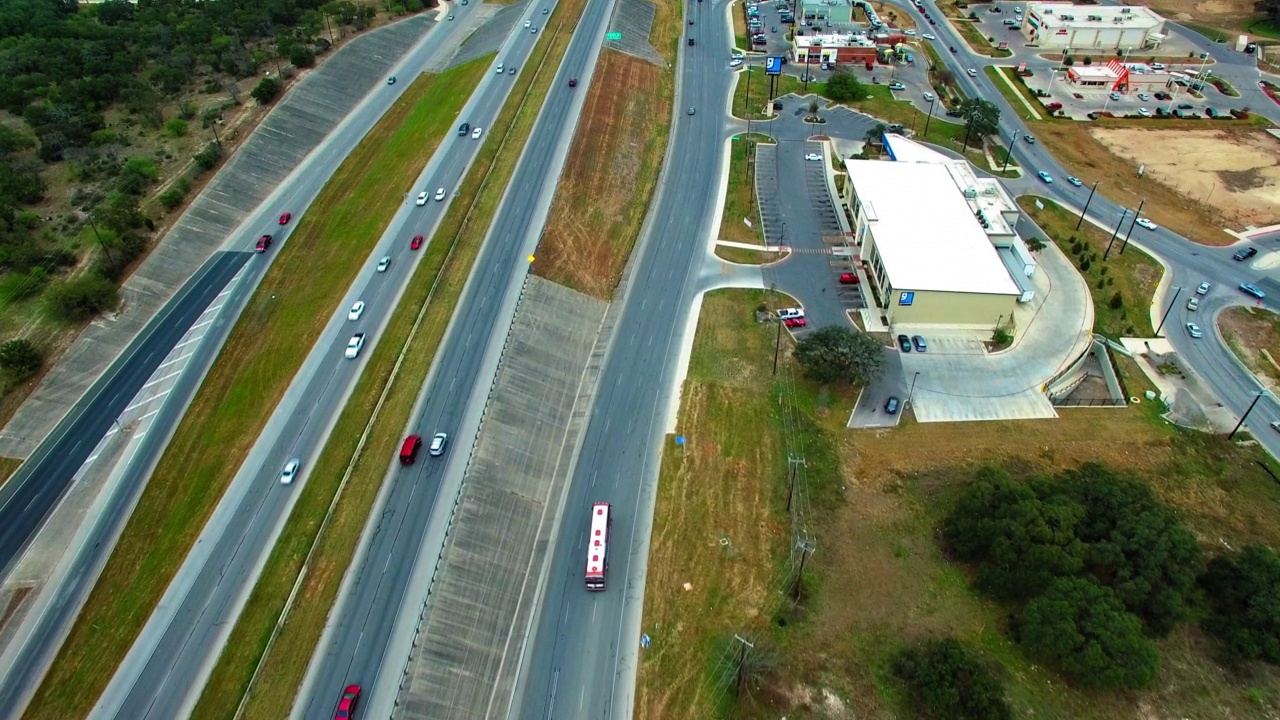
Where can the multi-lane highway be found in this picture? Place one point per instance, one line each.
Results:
(579, 662)
(357, 647)
(166, 669)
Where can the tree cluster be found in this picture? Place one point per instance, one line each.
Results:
(1243, 591)
(840, 354)
(843, 86)
(1097, 562)
(946, 681)
(981, 119)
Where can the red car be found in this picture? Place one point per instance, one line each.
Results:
(347, 704)
(416, 242)
(795, 322)
(264, 242)
(285, 218)
(849, 279)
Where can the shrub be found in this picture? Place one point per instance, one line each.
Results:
(208, 157)
(80, 298)
(105, 136)
(20, 358)
(173, 196)
(1244, 593)
(175, 127)
(1117, 301)
(945, 680)
(266, 90)
(302, 56)
(136, 174)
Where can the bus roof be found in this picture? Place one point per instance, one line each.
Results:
(598, 539)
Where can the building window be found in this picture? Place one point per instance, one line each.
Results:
(906, 298)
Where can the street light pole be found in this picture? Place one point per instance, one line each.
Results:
(1086, 203)
(1114, 233)
(1177, 292)
(912, 393)
(1009, 152)
(1136, 215)
(1244, 417)
(927, 119)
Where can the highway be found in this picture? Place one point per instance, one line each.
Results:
(166, 669)
(356, 645)
(578, 664)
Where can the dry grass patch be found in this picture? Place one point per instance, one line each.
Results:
(608, 178)
(1254, 336)
(260, 358)
(1085, 150)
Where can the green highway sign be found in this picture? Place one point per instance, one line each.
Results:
(613, 36)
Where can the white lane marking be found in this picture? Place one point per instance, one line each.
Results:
(170, 362)
(188, 342)
(174, 374)
(144, 402)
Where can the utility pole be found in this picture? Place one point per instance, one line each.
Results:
(1086, 203)
(777, 346)
(1009, 152)
(794, 463)
(1178, 291)
(1136, 215)
(928, 119)
(214, 126)
(99, 237)
(743, 646)
(749, 74)
(1114, 233)
(805, 551)
(968, 129)
(1244, 417)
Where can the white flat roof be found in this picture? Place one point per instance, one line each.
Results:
(926, 234)
(903, 150)
(1051, 15)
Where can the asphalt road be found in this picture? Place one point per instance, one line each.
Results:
(363, 620)
(166, 669)
(578, 665)
(1190, 263)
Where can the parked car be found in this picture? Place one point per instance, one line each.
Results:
(1211, 112)
(1053, 106)
(1245, 253)
(795, 322)
(904, 343)
(264, 242)
(919, 343)
(1144, 112)
(1193, 304)
(1114, 96)
(1253, 290)
(1203, 289)
(1194, 330)
(849, 278)
(1143, 97)
(813, 156)
(891, 405)
(897, 86)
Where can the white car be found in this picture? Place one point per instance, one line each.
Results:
(909, 33)
(500, 69)
(1143, 222)
(813, 156)
(1193, 304)
(436, 449)
(475, 134)
(1144, 97)
(1144, 112)
(928, 36)
(897, 86)
(1157, 66)
(354, 346)
(450, 17)
(439, 194)
(973, 73)
(422, 197)
(1203, 289)
(528, 23)
(928, 97)
(1194, 330)
(384, 263)
(356, 311)
(290, 471)
(735, 62)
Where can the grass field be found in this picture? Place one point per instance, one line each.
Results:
(1253, 334)
(1132, 274)
(464, 229)
(740, 195)
(755, 105)
(261, 356)
(1012, 96)
(974, 36)
(880, 580)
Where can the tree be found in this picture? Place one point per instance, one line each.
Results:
(208, 156)
(945, 681)
(1083, 629)
(1136, 546)
(840, 354)
(875, 136)
(1021, 541)
(20, 358)
(136, 174)
(266, 90)
(1244, 594)
(981, 117)
(118, 212)
(82, 297)
(945, 77)
(302, 56)
(844, 87)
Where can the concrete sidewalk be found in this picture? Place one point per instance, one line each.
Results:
(291, 131)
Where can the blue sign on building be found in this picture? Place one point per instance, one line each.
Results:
(773, 65)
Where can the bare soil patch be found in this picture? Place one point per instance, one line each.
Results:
(1201, 9)
(608, 177)
(1236, 170)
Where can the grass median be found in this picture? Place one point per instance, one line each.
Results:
(740, 195)
(287, 312)
(448, 263)
(1122, 286)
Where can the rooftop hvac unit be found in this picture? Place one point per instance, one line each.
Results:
(986, 225)
(1048, 11)
(988, 190)
(1095, 18)
(1125, 11)
(970, 193)
(1068, 17)
(1117, 19)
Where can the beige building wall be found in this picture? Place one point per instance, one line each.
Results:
(948, 308)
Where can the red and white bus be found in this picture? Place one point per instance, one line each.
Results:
(598, 545)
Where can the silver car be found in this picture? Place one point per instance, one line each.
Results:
(290, 471)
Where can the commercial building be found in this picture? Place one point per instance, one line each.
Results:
(827, 11)
(938, 243)
(833, 48)
(1117, 76)
(1092, 27)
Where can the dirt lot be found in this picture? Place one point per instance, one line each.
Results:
(1236, 169)
(608, 178)
(1254, 336)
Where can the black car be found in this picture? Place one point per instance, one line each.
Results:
(463, 129)
(904, 343)
(1245, 253)
(891, 405)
